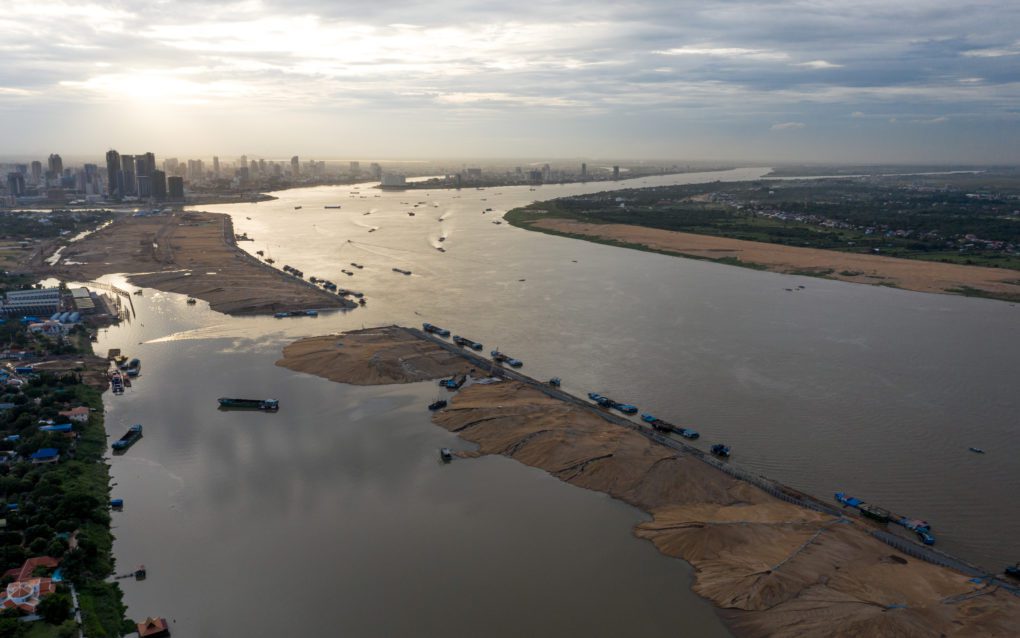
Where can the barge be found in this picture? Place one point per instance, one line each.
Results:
(130, 437)
(267, 405)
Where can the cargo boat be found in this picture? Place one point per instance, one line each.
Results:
(268, 405)
(130, 437)
(606, 402)
(463, 341)
(502, 358)
(436, 330)
(665, 426)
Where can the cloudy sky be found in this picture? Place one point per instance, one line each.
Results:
(822, 80)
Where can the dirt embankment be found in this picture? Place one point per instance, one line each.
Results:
(923, 276)
(93, 369)
(191, 254)
(773, 568)
(374, 356)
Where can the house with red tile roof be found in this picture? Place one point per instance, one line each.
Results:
(26, 594)
(29, 566)
(153, 627)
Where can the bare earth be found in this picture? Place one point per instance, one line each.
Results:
(192, 254)
(773, 568)
(374, 356)
(911, 274)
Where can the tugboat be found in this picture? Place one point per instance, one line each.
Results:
(437, 405)
(446, 454)
(720, 450)
(267, 405)
(976, 450)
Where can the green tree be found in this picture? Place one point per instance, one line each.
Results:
(55, 608)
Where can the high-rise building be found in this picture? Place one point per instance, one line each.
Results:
(616, 172)
(355, 168)
(127, 171)
(15, 184)
(36, 172)
(376, 170)
(56, 165)
(175, 188)
(159, 185)
(584, 170)
(295, 166)
(216, 166)
(242, 161)
(170, 165)
(113, 178)
(91, 184)
(148, 163)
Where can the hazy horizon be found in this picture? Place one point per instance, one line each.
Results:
(932, 82)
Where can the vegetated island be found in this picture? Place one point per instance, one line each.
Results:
(955, 233)
(190, 253)
(772, 567)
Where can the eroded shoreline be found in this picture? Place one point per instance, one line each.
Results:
(773, 568)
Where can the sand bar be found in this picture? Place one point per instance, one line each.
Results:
(192, 254)
(910, 274)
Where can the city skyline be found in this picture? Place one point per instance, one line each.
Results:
(804, 81)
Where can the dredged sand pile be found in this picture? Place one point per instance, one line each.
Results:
(373, 356)
(773, 568)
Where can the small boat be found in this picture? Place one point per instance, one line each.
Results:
(1013, 571)
(192, 301)
(362, 302)
(437, 405)
(371, 230)
(402, 272)
(721, 450)
(267, 405)
(138, 292)
(410, 214)
(358, 266)
(297, 208)
(333, 207)
(441, 249)
(442, 239)
(446, 454)
(976, 450)
(925, 537)
(117, 503)
(554, 382)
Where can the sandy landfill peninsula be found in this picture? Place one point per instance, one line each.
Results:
(773, 568)
(192, 254)
(910, 274)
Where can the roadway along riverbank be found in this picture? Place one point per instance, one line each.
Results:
(192, 254)
(775, 561)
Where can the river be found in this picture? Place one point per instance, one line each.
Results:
(333, 516)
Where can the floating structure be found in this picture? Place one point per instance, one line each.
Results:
(130, 438)
(267, 405)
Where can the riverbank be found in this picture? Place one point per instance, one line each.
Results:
(194, 254)
(921, 276)
(773, 567)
